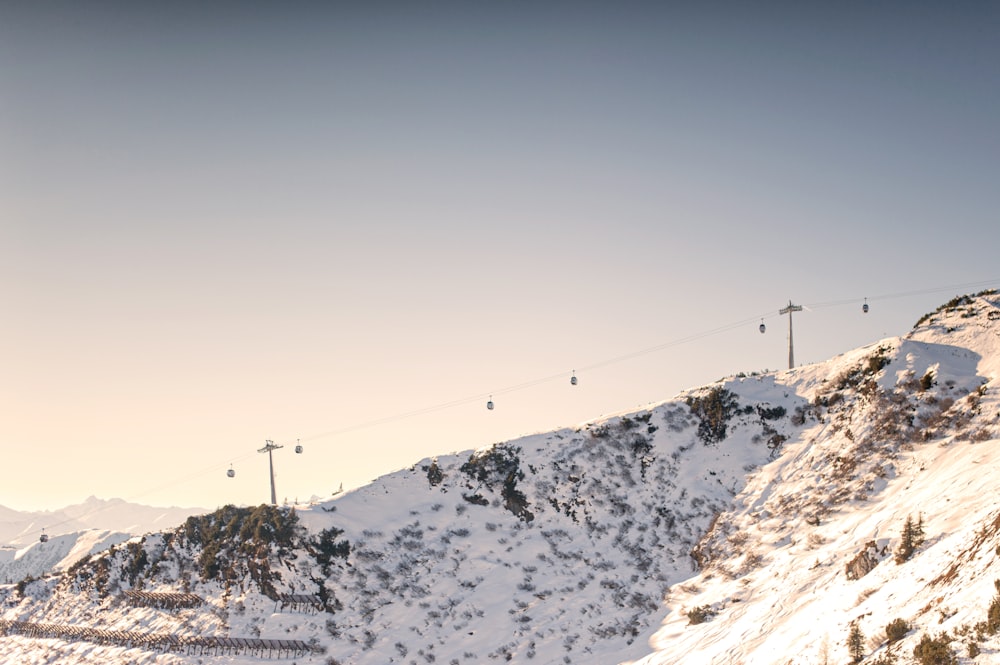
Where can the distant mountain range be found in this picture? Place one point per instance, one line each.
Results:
(24, 527)
(74, 532)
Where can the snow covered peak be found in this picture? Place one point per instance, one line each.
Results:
(959, 314)
(967, 323)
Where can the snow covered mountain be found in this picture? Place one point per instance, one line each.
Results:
(24, 527)
(837, 512)
(56, 554)
(74, 532)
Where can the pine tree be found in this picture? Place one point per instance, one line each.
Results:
(993, 614)
(911, 538)
(856, 643)
(918, 531)
(824, 651)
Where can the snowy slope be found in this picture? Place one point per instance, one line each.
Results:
(739, 505)
(853, 478)
(56, 554)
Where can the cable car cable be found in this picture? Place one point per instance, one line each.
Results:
(597, 365)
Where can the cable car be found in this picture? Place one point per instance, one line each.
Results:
(864, 308)
(231, 473)
(489, 404)
(298, 449)
(762, 326)
(572, 379)
(44, 538)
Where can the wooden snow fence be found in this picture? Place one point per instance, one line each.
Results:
(298, 603)
(163, 601)
(188, 645)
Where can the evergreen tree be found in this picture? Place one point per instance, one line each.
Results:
(993, 614)
(911, 538)
(856, 643)
(918, 531)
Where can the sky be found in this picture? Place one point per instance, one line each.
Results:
(350, 225)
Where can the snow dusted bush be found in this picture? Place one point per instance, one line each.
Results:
(700, 614)
(499, 465)
(237, 541)
(327, 548)
(861, 374)
(714, 409)
(896, 630)
(434, 474)
(935, 651)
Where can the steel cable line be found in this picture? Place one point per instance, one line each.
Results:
(635, 354)
(562, 375)
(536, 382)
(907, 294)
(479, 397)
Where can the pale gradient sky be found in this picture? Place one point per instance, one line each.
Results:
(223, 223)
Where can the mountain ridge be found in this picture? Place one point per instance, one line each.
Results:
(74, 532)
(21, 527)
(716, 527)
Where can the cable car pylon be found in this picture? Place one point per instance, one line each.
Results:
(788, 310)
(271, 446)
